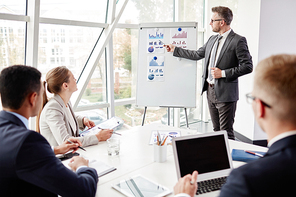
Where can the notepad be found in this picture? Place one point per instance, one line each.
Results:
(101, 167)
(241, 155)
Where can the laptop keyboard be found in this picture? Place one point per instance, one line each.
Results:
(210, 185)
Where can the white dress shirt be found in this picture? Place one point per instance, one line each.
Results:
(281, 136)
(221, 43)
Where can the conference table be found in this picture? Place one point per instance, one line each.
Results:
(136, 157)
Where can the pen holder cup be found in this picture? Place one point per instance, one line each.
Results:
(160, 153)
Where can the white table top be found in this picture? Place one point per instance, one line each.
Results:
(136, 157)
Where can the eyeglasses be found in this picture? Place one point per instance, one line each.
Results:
(216, 20)
(251, 98)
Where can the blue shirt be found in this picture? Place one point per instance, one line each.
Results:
(22, 118)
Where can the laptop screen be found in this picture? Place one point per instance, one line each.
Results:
(204, 154)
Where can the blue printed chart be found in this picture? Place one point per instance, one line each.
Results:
(155, 68)
(155, 40)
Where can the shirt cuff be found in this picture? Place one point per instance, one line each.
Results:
(182, 195)
(223, 73)
(81, 167)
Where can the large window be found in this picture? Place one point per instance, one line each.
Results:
(86, 10)
(144, 11)
(13, 7)
(125, 48)
(12, 34)
(12, 43)
(62, 45)
(95, 91)
(192, 11)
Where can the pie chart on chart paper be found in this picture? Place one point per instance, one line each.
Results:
(151, 76)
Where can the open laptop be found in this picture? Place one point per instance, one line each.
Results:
(207, 153)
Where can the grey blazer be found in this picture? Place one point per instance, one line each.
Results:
(234, 58)
(55, 125)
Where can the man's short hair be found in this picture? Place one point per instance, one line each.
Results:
(275, 80)
(224, 12)
(16, 83)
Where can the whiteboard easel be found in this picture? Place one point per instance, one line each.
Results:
(177, 89)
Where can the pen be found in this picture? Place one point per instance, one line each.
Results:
(78, 146)
(164, 141)
(116, 133)
(253, 153)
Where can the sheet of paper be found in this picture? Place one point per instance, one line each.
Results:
(108, 124)
(101, 167)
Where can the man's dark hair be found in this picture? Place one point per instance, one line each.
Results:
(224, 12)
(16, 83)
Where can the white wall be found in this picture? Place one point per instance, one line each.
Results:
(277, 27)
(247, 25)
(276, 34)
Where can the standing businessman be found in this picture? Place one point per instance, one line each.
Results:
(28, 166)
(227, 57)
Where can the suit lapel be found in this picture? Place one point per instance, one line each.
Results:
(61, 102)
(211, 44)
(225, 46)
(77, 126)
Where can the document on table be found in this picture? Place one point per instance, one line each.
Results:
(171, 134)
(108, 124)
(101, 167)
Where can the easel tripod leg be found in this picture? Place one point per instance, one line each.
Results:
(144, 116)
(186, 117)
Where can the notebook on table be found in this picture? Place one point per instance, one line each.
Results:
(207, 153)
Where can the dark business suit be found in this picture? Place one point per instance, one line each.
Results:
(236, 61)
(272, 175)
(28, 166)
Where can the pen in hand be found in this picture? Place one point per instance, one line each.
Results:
(78, 146)
(116, 133)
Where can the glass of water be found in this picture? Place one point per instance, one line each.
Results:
(113, 146)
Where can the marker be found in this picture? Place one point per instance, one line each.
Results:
(253, 153)
(78, 146)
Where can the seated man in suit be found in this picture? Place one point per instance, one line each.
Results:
(273, 102)
(28, 166)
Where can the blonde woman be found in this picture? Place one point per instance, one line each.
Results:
(57, 120)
